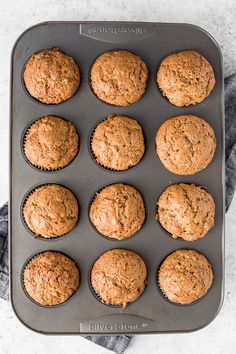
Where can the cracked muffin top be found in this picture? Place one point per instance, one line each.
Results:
(186, 211)
(185, 276)
(51, 76)
(51, 211)
(119, 77)
(118, 277)
(185, 144)
(50, 278)
(118, 143)
(117, 211)
(51, 143)
(185, 78)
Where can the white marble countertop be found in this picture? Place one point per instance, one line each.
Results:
(216, 16)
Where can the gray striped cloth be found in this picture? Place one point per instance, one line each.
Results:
(118, 344)
(230, 138)
(4, 269)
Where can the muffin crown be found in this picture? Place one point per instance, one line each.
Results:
(118, 143)
(50, 278)
(185, 78)
(119, 277)
(51, 76)
(51, 211)
(185, 144)
(186, 211)
(117, 211)
(185, 276)
(119, 77)
(51, 143)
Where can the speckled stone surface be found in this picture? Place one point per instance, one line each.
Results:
(216, 16)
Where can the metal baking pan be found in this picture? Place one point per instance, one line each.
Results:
(84, 314)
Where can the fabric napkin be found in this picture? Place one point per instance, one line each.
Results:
(118, 344)
(230, 138)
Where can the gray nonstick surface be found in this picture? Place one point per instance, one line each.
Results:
(83, 313)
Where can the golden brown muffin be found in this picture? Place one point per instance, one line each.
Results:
(185, 78)
(51, 143)
(50, 278)
(117, 211)
(51, 76)
(118, 143)
(51, 211)
(185, 144)
(119, 77)
(118, 277)
(186, 211)
(185, 276)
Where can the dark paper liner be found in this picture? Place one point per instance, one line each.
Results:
(162, 293)
(99, 298)
(94, 158)
(99, 190)
(29, 260)
(24, 138)
(32, 233)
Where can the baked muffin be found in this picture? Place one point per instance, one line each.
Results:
(186, 211)
(51, 76)
(118, 143)
(50, 278)
(117, 211)
(118, 277)
(119, 77)
(185, 276)
(185, 78)
(51, 211)
(51, 143)
(185, 144)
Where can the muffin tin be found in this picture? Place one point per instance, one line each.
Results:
(84, 313)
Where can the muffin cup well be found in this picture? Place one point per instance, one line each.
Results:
(112, 238)
(31, 233)
(167, 232)
(94, 158)
(28, 261)
(98, 297)
(163, 295)
(24, 137)
(35, 99)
